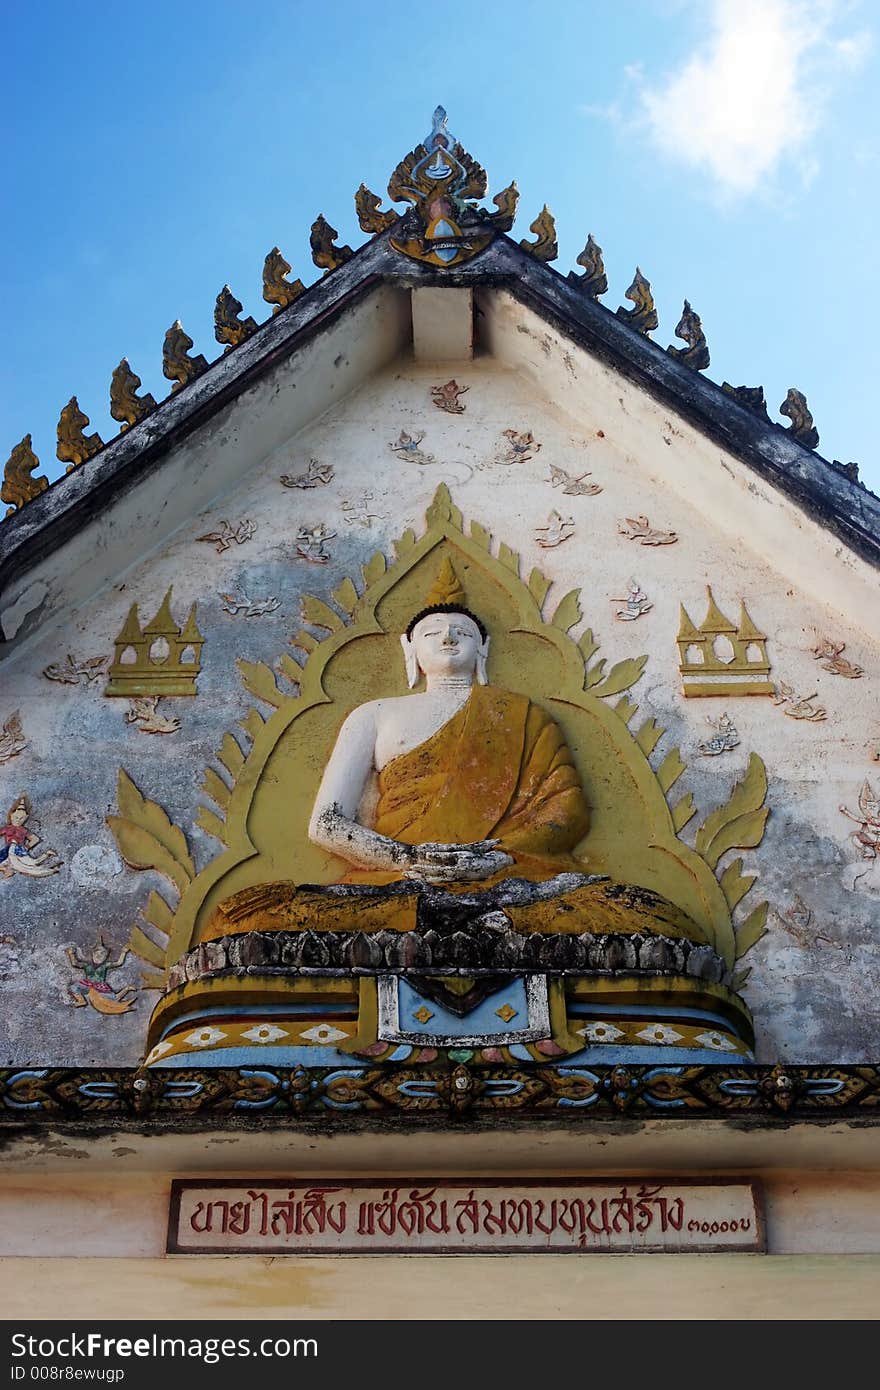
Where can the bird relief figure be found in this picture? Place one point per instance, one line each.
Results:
(16, 843)
(249, 608)
(798, 706)
(223, 538)
(724, 738)
(639, 528)
(12, 739)
(447, 397)
(358, 513)
(520, 447)
(830, 657)
(635, 605)
(558, 529)
(73, 672)
(143, 712)
(407, 447)
(310, 543)
(867, 837)
(572, 486)
(316, 475)
(797, 921)
(92, 985)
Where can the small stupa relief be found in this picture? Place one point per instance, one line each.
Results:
(721, 657)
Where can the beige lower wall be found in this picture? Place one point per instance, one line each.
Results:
(110, 1216)
(418, 1286)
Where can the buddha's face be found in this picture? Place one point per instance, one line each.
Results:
(447, 644)
(18, 815)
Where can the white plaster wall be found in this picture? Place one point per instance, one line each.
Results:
(814, 1001)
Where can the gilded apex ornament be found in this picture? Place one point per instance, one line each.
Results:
(721, 657)
(801, 428)
(690, 330)
(545, 246)
(74, 447)
(594, 281)
(441, 181)
(228, 327)
(370, 216)
(644, 316)
(177, 365)
(125, 404)
(277, 289)
(325, 254)
(160, 658)
(19, 484)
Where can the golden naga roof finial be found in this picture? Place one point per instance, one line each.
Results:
(690, 329)
(277, 289)
(369, 215)
(125, 404)
(444, 225)
(801, 428)
(228, 327)
(177, 364)
(325, 255)
(594, 281)
(545, 246)
(643, 318)
(447, 587)
(74, 447)
(19, 484)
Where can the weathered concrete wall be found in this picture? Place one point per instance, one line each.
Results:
(813, 987)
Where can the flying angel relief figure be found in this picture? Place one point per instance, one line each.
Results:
(16, 843)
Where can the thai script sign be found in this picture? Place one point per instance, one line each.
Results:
(313, 1216)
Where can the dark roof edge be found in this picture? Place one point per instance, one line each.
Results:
(51, 518)
(843, 507)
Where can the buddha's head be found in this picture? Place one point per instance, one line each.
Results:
(19, 811)
(445, 640)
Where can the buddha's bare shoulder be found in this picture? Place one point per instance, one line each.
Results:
(374, 712)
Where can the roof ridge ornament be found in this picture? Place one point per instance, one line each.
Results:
(443, 184)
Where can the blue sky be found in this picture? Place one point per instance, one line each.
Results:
(731, 148)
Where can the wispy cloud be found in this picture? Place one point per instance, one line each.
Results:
(747, 101)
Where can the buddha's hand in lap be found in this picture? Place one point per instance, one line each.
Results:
(442, 863)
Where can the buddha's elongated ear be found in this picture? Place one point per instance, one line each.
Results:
(482, 658)
(411, 660)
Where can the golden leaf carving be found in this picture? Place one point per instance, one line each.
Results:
(177, 365)
(146, 837)
(644, 316)
(74, 447)
(19, 485)
(594, 281)
(369, 215)
(545, 246)
(229, 328)
(622, 676)
(125, 403)
(751, 930)
(325, 254)
(506, 202)
(801, 428)
(690, 330)
(277, 289)
(739, 823)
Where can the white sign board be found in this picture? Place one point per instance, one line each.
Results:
(314, 1216)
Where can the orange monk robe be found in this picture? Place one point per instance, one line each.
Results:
(499, 769)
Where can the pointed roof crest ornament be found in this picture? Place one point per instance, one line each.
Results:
(442, 183)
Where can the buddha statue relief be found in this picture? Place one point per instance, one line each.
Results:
(454, 902)
(455, 804)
